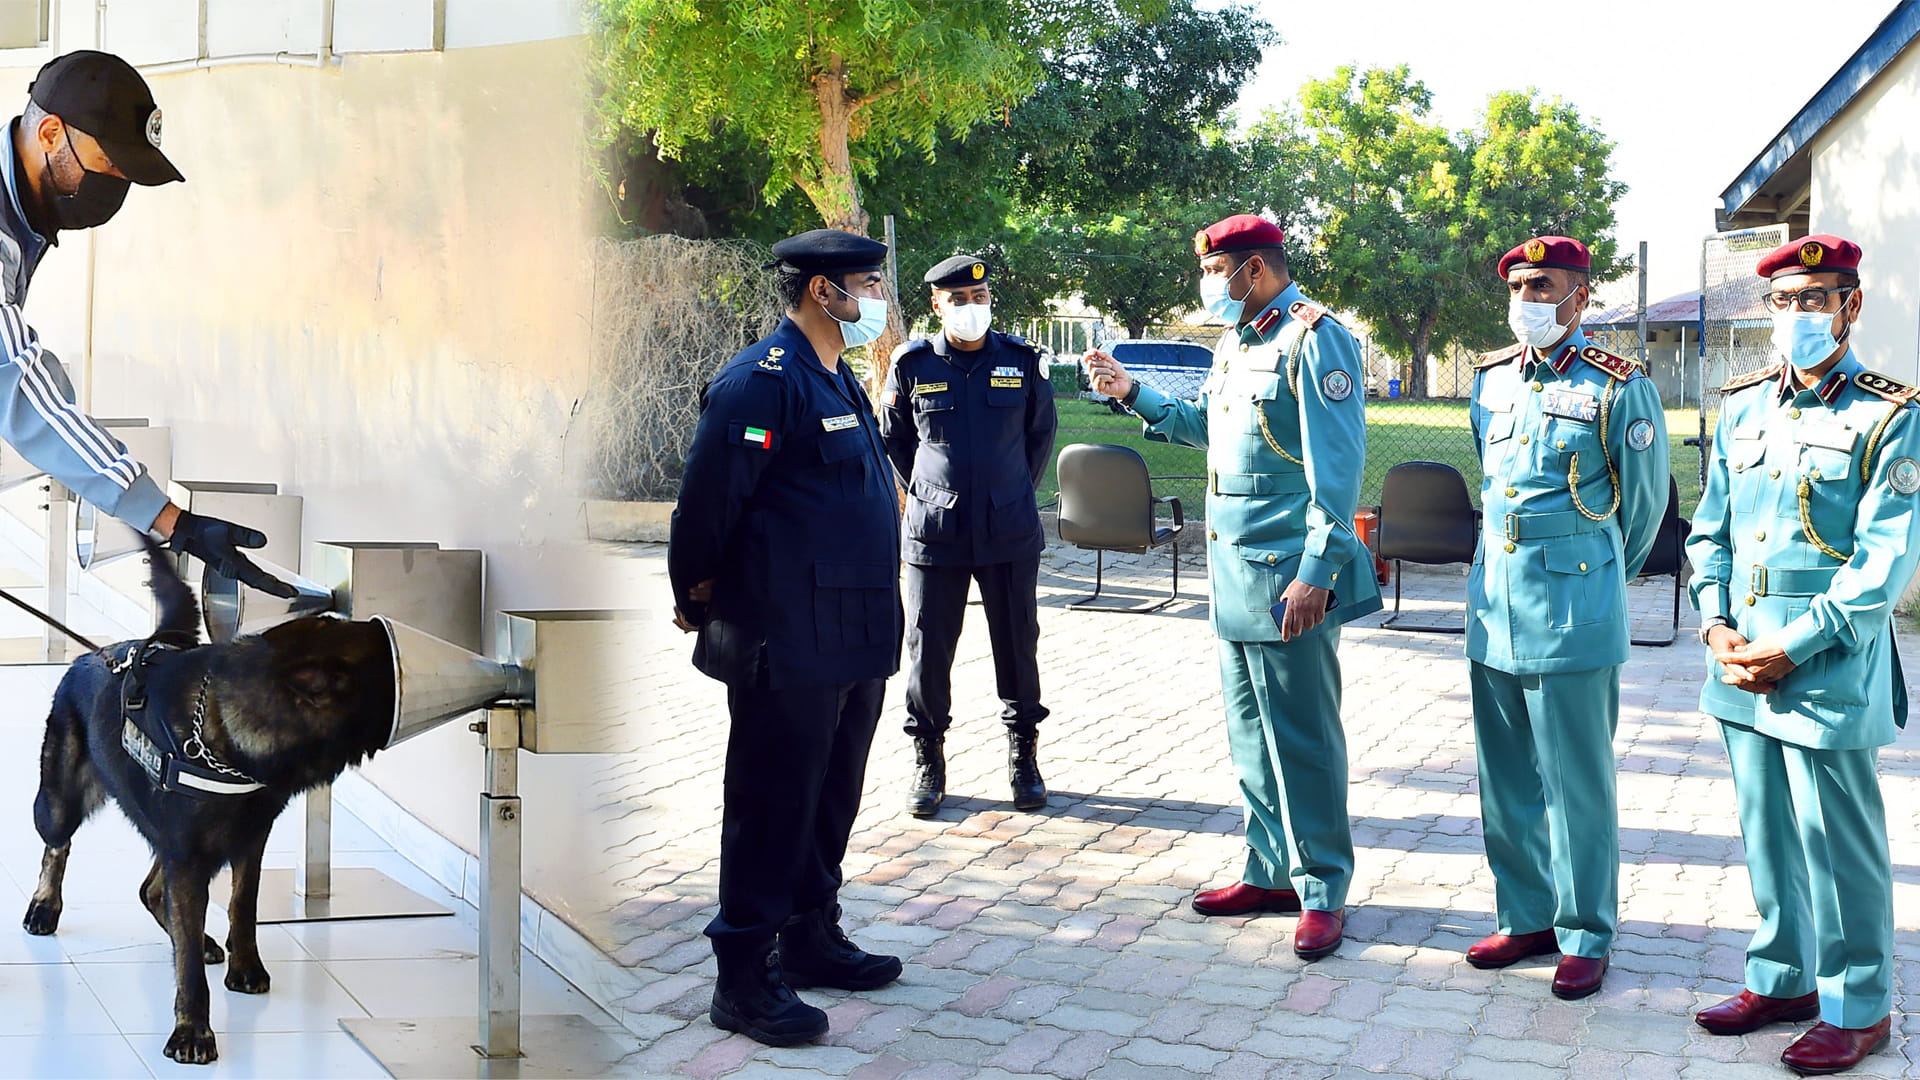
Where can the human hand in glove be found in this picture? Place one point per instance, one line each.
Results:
(217, 543)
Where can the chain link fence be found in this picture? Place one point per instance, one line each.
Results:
(1735, 330)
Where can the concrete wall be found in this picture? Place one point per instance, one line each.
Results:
(371, 291)
(1866, 187)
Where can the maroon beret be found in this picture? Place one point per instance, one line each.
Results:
(1558, 252)
(1816, 254)
(1236, 233)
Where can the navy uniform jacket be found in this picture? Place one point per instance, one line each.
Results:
(1806, 535)
(971, 433)
(1574, 451)
(788, 506)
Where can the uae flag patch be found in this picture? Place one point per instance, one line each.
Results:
(746, 434)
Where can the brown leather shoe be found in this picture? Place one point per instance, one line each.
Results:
(1750, 1012)
(1578, 976)
(1240, 898)
(1318, 933)
(1828, 1049)
(1500, 950)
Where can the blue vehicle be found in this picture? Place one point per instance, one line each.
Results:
(1176, 368)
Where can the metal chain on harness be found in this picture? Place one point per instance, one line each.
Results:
(196, 747)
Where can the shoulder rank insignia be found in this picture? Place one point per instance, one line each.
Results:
(771, 361)
(1306, 313)
(1752, 378)
(1500, 356)
(908, 346)
(1875, 383)
(1617, 366)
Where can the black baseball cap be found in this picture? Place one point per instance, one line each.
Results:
(102, 95)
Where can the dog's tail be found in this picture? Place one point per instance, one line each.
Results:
(176, 612)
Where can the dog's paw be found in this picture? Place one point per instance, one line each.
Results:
(43, 917)
(246, 979)
(192, 1044)
(211, 952)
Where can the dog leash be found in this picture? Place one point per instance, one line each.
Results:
(48, 619)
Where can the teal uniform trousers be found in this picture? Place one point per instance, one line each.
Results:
(1805, 537)
(1282, 418)
(1573, 446)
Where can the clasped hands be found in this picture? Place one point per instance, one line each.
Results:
(1754, 666)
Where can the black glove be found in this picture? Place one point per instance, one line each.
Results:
(217, 543)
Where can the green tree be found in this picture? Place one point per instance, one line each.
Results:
(1413, 217)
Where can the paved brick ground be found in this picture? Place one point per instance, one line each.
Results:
(1059, 943)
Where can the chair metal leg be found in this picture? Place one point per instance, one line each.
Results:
(1673, 630)
(1086, 603)
(1393, 620)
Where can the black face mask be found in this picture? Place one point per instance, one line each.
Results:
(93, 202)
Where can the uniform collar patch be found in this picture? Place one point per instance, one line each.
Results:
(1830, 387)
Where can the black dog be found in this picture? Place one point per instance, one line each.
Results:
(202, 746)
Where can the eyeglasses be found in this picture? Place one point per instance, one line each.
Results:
(1813, 298)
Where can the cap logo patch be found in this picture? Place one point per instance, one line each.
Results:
(153, 127)
(1534, 250)
(979, 271)
(1202, 243)
(1811, 253)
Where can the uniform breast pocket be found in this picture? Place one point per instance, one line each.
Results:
(930, 511)
(1561, 439)
(1745, 479)
(1005, 397)
(842, 452)
(1270, 401)
(853, 605)
(1582, 583)
(936, 415)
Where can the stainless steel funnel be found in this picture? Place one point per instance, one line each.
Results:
(436, 680)
(232, 609)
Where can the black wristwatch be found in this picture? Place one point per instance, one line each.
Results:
(1133, 394)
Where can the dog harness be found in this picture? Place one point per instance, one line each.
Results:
(185, 768)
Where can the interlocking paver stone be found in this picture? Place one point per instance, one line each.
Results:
(1061, 944)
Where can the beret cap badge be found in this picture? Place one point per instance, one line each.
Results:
(1536, 250)
(1202, 243)
(1811, 253)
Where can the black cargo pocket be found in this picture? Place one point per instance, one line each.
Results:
(1014, 513)
(841, 450)
(930, 511)
(853, 605)
(1002, 397)
(936, 415)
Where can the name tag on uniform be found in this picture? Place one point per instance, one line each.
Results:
(839, 423)
(1569, 405)
(1004, 381)
(1828, 436)
(1007, 372)
(930, 388)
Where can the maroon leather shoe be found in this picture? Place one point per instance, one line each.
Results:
(1318, 933)
(1828, 1049)
(1750, 1012)
(1578, 976)
(1500, 950)
(1240, 898)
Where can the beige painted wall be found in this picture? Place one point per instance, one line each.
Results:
(1866, 187)
(372, 291)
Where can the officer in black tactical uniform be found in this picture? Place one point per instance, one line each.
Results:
(785, 556)
(968, 420)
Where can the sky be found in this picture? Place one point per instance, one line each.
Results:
(1689, 92)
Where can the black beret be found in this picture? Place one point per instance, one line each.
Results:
(959, 272)
(830, 251)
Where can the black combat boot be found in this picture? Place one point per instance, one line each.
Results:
(929, 777)
(814, 951)
(753, 998)
(1029, 790)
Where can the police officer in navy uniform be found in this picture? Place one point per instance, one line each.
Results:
(1807, 533)
(968, 420)
(785, 557)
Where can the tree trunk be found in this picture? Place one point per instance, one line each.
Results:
(1136, 328)
(1422, 346)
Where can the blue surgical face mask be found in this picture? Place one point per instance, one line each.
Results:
(1215, 293)
(1805, 338)
(872, 320)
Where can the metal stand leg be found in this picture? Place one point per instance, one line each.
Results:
(314, 891)
(509, 1044)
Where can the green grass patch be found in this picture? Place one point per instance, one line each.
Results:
(1397, 430)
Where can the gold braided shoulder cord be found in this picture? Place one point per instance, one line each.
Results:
(1293, 384)
(1873, 444)
(1606, 455)
(1806, 522)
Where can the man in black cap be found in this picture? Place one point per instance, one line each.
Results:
(785, 556)
(968, 420)
(90, 128)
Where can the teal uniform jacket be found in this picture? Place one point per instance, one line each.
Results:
(1806, 535)
(1282, 417)
(1548, 589)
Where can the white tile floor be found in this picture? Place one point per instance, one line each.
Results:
(96, 999)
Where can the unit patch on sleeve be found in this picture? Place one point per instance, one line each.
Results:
(1337, 385)
(1903, 476)
(1640, 434)
(741, 433)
